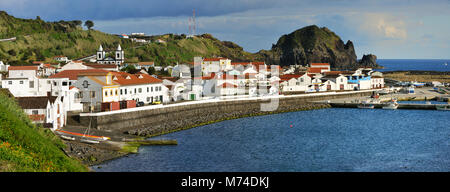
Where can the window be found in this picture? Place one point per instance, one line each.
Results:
(301, 80)
(9, 82)
(148, 89)
(111, 93)
(31, 84)
(126, 91)
(116, 92)
(121, 91)
(21, 82)
(64, 83)
(140, 90)
(342, 80)
(92, 94)
(152, 89)
(35, 112)
(55, 83)
(135, 91)
(106, 93)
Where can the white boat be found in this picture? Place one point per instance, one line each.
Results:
(365, 105)
(417, 84)
(384, 92)
(67, 137)
(391, 105)
(89, 141)
(443, 107)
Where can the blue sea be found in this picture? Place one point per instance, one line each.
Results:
(335, 139)
(414, 64)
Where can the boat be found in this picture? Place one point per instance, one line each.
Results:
(384, 92)
(417, 84)
(443, 107)
(89, 141)
(67, 137)
(365, 105)
(84, 136)
(391, 105)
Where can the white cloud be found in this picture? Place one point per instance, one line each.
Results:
(383, 25)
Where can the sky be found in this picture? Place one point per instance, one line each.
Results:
(400, 29)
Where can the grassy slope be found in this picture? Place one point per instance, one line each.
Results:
(182, 50)
(39, 40)
(25, 147)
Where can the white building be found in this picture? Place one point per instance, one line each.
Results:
(119, 56)
(44, 110)
(140, 87)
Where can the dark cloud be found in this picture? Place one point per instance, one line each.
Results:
(118, 9)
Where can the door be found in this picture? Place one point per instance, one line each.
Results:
(328, 87)
(342, 87)
(192, 96)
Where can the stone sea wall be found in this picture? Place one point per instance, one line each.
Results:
(173, 118)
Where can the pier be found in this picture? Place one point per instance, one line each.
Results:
(380, 105)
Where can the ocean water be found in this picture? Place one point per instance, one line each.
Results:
(414, 64)
(335, 139)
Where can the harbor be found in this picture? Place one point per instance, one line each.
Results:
(425, 94)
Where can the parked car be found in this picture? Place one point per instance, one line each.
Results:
(140, 103)
(156, 102)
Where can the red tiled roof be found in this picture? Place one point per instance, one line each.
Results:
(214, 59)
(316, 70)
(22, 68)
(37, 62)
(101, 66)
(73, 74)
(146, 63)
(315, 64)
(123, 78)
(333, 72)
(289, 76)
(227, 85)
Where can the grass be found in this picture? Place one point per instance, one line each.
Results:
(27, 148)
(405, 76)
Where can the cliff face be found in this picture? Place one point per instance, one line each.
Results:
(312, 44)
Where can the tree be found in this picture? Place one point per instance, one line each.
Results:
(151, 70)
(89, 24)
(78, 22)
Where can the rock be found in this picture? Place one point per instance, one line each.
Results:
(312, 44)
(369, 61)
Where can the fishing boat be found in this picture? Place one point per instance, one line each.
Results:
(443, 107)
(417, 84)
(391, 105)
(84, 136)
(67, 137)
(365, 105)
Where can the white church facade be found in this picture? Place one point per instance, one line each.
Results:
(118, 59)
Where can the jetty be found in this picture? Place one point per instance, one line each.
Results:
(380, 105)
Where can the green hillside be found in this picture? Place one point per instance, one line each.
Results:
(27, 148)
(38, 40)
(178, 48)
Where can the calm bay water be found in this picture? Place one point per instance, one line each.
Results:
(414, 64)
(319, 140)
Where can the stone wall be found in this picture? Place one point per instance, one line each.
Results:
(168, 119)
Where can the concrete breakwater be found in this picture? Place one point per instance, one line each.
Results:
(169, 118)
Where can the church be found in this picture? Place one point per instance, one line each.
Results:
(118, 59)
